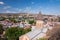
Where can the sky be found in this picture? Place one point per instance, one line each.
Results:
(30, 6)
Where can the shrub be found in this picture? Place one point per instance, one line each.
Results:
(42, 39)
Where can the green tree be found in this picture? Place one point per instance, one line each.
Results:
(27, 30)
(13, 20)
(1, 28)
(2, 18)
(31, 21)
(14, 33)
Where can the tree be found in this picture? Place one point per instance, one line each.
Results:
(54, 33)
(59, 19)
(1, 29)
(31, 21)
(2, 18)
(13, 33)
(27, 30)
(13, 20)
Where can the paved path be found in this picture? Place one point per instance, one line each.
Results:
(38, 33)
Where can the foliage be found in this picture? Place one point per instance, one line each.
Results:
(13, 20)
(31, 21)
(42, 39)
(59, 19)
(14, 32)
(54, 33)
(1, 28)
(2, 18)
(27, 30)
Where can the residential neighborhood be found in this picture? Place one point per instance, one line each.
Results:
(38, 25)
(29, 19)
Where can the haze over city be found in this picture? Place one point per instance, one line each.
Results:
(30, 6)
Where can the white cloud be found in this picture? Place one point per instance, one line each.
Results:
(27, 9)
(8, 11)
(30, 10)
(14, 12)
(6, 7)
(1, 3)
(17, 8)
(32, 2)
(20, 10)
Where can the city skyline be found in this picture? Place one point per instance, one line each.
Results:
(31, 6)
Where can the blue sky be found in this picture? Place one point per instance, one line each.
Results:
(31, 6)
